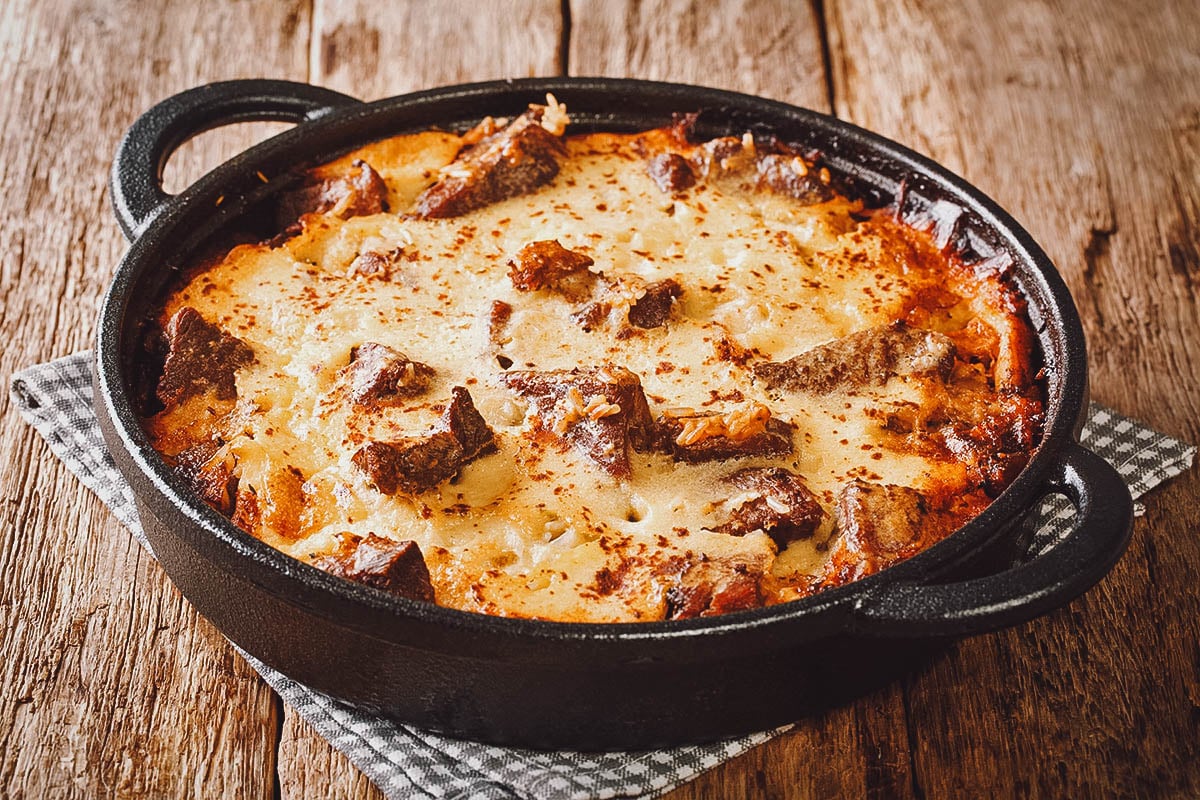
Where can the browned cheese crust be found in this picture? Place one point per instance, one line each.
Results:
(592, 378)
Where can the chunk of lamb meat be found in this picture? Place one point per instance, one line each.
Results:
(381, 376)
(396, 567)
(548, 265)
(712, 588)
(653, 309)
(878, 525)
(692, 436)
(867, 358)
(418, 463)
(513, 161)
(781, 505)
(601, 411)
(200, 356)
(772, 165)
(208, 467)
(359, 192)
(670, 172)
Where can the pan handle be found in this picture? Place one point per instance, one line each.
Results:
(137, 171)
(1103, 522)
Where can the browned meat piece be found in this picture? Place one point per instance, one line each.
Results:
(547, 264)
(708, 436)
(770, 164)
(208, 467)
(671, 172)
(513, 161)
(372, 264)
(997, 447)
(396, 567)
(200, 356)
(601, 411)
(878, 525)
(784, 508)
(790, 175)
(467, 425)
(591, 315)
(413, 464)
(866, 358)
(498, 317)
(417, 463)
(358, 193)
(654, 307)
(381, 376)
(706, 591)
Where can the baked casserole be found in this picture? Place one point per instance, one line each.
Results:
(597, 377)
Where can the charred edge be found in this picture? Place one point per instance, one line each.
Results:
(826, 57)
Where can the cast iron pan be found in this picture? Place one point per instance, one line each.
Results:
(587, 686)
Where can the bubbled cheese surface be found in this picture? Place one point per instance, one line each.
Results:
(524, 531)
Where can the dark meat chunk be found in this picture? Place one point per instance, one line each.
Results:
(396, 567)
(708, 436)
(710, 589)
(547, 264)
(209, 468)
(511, 162)
(498, 319)
(784, 508)
(468, 426)
(998, 446)
(381, 376)
(373, 264)
(602, 411)
(790, 175)
(413, 464)
(654, 307)
(671, 172)
(591, 315)
(499, 315)
(200, 356)
(866, 358)
(359, 192)
(369, 263)
(878, 525)
(418, 463)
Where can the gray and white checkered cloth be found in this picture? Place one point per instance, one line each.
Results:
(56, 398)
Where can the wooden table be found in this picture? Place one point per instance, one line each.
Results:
(1082, 118)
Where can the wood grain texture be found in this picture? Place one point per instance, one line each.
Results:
(1082, 117)
(372, 50)
(770, 48)
(110, 685)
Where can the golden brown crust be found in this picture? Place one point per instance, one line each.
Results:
(606, 377)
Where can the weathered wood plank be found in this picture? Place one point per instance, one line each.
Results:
(110, 684)
(768, 48)
(1087, 129)
(370, 51)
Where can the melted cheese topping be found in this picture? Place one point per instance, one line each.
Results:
(537, 529)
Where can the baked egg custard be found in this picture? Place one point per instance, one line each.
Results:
(599, 377)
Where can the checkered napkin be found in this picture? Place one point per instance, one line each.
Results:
(56, 398)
